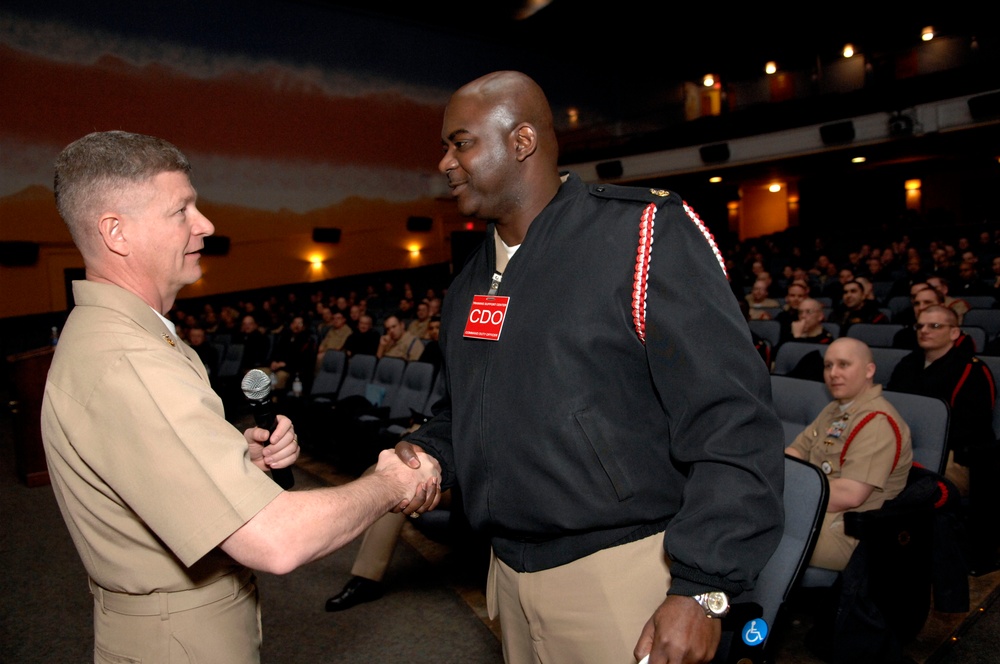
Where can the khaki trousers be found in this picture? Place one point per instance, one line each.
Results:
(589, 611)
(217, 624)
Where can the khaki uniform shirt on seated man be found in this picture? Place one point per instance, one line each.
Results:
(865, 440)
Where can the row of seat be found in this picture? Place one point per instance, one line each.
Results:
(790, 353)
(881, 334)
(401, 387)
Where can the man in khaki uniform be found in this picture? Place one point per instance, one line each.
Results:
(859, 441)
(167, 503)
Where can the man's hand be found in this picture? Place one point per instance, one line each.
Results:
(283, 449)
(679, 633)
(420, 479)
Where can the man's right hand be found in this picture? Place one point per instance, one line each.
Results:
(419, 479)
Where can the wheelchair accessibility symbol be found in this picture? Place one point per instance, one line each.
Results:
(754, 632)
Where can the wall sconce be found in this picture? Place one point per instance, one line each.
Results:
(715, 179)
(708, 81)
(771, 67)
(848, 50)
(315, 261)
(573, 115)
(774, 187)
(414, 250)
(927, 33)
(912, 188)
(858, 160)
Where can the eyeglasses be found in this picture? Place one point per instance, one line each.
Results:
(933, 326)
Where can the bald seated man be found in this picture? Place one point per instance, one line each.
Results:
(596, 475)
(859, 441)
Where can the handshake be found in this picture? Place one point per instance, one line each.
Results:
(415, 474)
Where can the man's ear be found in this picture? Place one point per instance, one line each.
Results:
(525, 141)
(112, 232)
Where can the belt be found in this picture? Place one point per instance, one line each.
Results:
(164, 603)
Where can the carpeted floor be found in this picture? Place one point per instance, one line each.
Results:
(433, 610)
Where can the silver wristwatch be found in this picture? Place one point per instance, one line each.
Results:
(715, 603)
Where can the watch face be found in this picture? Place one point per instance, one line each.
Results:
(717, 602)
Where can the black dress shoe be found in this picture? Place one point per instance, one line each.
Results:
(356, 591)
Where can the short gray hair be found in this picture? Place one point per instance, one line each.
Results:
(102, 164)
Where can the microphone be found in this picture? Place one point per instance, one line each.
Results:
(256, 387)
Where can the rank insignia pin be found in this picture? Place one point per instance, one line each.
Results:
(169, 340)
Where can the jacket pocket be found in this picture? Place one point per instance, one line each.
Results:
(590, 427)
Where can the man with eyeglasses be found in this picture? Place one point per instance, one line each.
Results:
(938, 368)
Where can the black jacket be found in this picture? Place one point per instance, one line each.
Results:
(569, 435)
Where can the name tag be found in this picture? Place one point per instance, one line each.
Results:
(486, 316)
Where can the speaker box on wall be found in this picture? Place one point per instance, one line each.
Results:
(216, 245)
(836, 133)
(18, 254)
(331, 235)
(715, 153)
(609, 170)
(985, 106)
(419, 224)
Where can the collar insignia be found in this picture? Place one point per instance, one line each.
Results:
(663, 193)
(166, 337)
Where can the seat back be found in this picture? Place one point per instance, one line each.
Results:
(980, 301)
(874, 334)
(797, 402)
(413, 390)
(230, 363)
(769, 330)
(898, 304)
(360, 370)
(388, 376)
(885, 361)
(993, 362)
(805, 499)
(927, 418)
(326, 384)
(790, 352)
(988, 319)
(978, 336)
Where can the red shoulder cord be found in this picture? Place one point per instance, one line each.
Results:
(865, 420)
(640, 281)
(942, 488)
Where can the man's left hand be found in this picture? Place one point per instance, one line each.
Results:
(283, 449)
(679, 632)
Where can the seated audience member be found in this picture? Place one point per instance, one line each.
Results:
(418, 326)
(432, 347)
(908, 316)
(854, 308)
(365, 340)
(208, 353)
(958, 305)
(939, 369)
(794, 294)
(294, 355)
(867, 288)
(759, 301)
(924, 297)
(256, 349)
(913, 274)
(336, 336)
(809, 326)
(397, 342)
(969, 282)
(859, 441)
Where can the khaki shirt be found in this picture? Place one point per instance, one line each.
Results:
(871, 455)
(148, 474)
